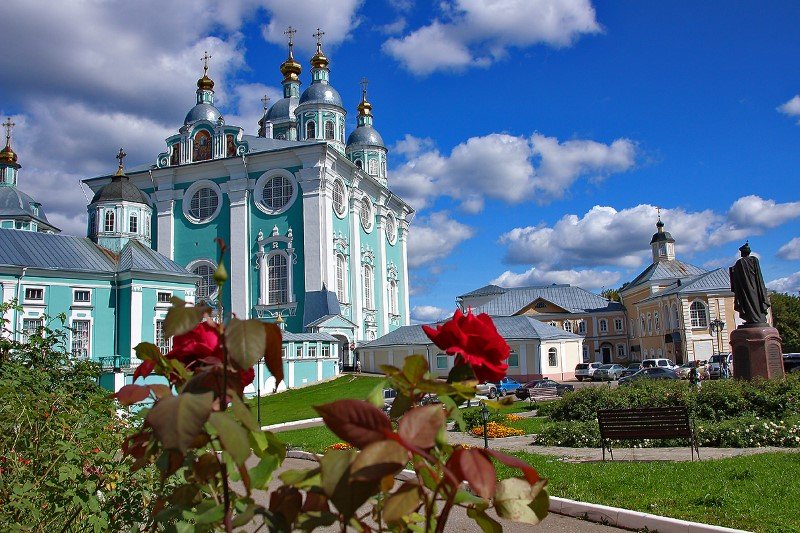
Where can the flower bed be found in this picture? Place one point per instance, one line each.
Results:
(495, 430)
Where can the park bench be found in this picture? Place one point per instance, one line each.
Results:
(540, 394)
(647, 423)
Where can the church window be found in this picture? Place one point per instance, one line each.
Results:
(163, 342)
(552, 357)
(662, 250)
(330, 130)
(603, 326)
(175, 159)
(391, 228)
(277, 193)
(202, 146)
(341, 272)
(109, 221)
(368, 287)
(311, 130)
(278, 279)
(80, 338)
(698, 314)
(582, 326)
(366, 214)
(393, 297)
(230, 146)
(568, 326)
(373, 167)
(206, 286)
(658, 321)
(203, 204)
(338, 197)
(133, 223)
(359, 164)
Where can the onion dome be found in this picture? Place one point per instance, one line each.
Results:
(321, 93)
(205, 83)
(290, 68)
(318, 60)
(365, 135)
(8, 156)
(202, 112)
(14, 203)
(120, 188)
(660, 235)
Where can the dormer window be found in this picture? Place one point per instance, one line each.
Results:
(330, 130)
(662, 250)
(359, 164)
(133, 223)
(540, 305)
(109, 221)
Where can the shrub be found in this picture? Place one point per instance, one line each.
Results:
(472, 417)
(570, 434)
(749, 432)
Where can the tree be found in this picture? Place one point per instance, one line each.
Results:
(786, 317)
(610, 294)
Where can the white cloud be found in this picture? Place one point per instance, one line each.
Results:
(477, 33)
(422, 314)
(603, 236)
(752, 215)
(504, 167)
(790, 284)
(790, 250)
(337, 18)
(394, 27)
(588, 279)
(792, 107)
(434, 237)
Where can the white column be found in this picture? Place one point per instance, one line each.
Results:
(136, 319)
(239, 282)
(380, 264)
(166, 225)
(523, 358)
(403, 224)
(355, 267)
(309, 180)
(319, 369)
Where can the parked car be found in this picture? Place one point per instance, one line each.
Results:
(791, 362)
(586, 370)
(650, 373)
(715, 362)
(662, 363)
(685, 368)
(487, 389)
(631, 369)
(388, 398)
(608, 372)
(561, 388)
(508, 386)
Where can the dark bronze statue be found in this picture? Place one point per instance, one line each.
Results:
(750, 293)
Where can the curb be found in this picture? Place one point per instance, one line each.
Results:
(291, 424)
(601, 514)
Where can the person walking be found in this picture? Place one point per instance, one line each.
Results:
(694, 375)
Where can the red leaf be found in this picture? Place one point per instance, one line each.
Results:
(528, 471)
(421, 424)
(130, 394)
(144, 369)
(274, 352)
(471, 465)
(355, 421)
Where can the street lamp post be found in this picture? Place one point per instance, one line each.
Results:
(716, 329)
(485, 418)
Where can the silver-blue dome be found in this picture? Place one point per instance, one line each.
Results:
(279, 112)
(365, 136)
(202, 112)
(321, 93)
(14, 203)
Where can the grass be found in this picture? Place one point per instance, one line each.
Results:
(755, 493)
(528, 425)
(313, 440)
(297, 404)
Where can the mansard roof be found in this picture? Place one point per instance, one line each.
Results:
(318, 304)
(665, 270)
(16, 204)
(571, 299)
(715, 281)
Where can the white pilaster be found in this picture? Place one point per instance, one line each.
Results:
(523, 358)
(290, 377)
(166, 226)
(310, 182)
(382, 300)
(239, 281)
(403, 224)
(355, 265)
(136, 319)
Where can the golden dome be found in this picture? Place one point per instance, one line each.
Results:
(291, 69)
(205, 83)
(319, 60)
(8, 156)
(364, 108)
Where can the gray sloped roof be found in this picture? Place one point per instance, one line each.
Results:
(571, 299)
(663, 270)
(120, 189)
(486, 290)
(310, 337)
(281, 111)
(325, 318)
(15, 203)
(715, 281)
(318, 304)
(509, 327)
(137, 257)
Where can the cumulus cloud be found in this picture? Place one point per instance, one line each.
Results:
(790, 284)
(434, 237)
(791, 108)
(421, 314)
(336, 18)
(509, 168)
(478, 33)
(790, 250)
(752, 215)
(588, 278)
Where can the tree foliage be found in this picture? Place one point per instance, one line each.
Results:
(786, 317)
(610, 294)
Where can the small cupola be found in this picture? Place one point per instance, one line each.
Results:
(8, 158)
(365, 146)
(662, 243)
(278, 121)
(119, 212)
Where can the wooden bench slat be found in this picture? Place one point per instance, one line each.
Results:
(645, 423)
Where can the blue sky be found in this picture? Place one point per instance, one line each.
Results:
(535, 138)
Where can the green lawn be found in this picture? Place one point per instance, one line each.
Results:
(757, 493)
(297, 404)
(314, 439)
(528, 425)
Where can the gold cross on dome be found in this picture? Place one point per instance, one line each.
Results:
(318, 36)
(290, 33)
(120, 156)
(658, 210)
(8, 125)
(364, 82)
(205, 59)
(265, 101)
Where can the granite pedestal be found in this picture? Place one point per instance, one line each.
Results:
(756, 352)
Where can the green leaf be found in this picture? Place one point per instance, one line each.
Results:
(262, 472)
(334, 464)
(484, 521)
(178, 420)
(233, 436)
(302, 478)
(375, 396)
(181, 319)
(400, 405)
(415, 367)
(403, 502)
(147, 351)
(454, 411)
(420, 425)
(246, 341)
(467, 499)
(214, 514)
(244, 414)
(515, 500)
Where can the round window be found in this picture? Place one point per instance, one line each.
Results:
(391, 228)
(277, 193)
(203, 203)
(366, 214)
(339, 204)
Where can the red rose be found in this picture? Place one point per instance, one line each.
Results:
(200, 343)
(476, 341)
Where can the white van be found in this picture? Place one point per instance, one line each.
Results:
(662, 363)
(586, 370)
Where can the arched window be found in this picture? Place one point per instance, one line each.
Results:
(366, 214)
(330, 130)
(392, 297)
(373, 167)
(368, 287)
(568, 326)
(311, 130)
(277, 279)
(698, 314)
(603, 326)
(552, 357)
(206, 286)
(644, 326)
(359, 164)
(338, 197)
(133, 223)
(649, 323)
(109, 221)
(202, 146)
(582, 326)
(658, 321)
(341, 270)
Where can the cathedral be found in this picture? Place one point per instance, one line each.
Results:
(316, 241)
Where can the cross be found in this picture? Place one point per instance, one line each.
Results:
(364, 82)
(8, 125)
(120, 156)
(290, 33)
(265, 101)
(658, 210)
(318, 36)
(205, 59)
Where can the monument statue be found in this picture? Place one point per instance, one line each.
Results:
(747, 284)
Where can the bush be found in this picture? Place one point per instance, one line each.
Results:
(472, 417)
(749, 432)
(570, 434)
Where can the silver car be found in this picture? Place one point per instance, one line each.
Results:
(586, 370)
(608, 372)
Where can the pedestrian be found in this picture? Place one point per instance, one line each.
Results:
(358, 366)
(724, 371)
(694, 375)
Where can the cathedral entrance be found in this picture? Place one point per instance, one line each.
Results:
(605, 352)
(346, 363)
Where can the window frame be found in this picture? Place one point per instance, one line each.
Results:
(109, 221)
(34, 299)
(212, 266)
(330, 136)
(311, 127)
(552, 357)
(602, 325)
(341, 210)
(164, 343)
(133, 222)
(76, 301)
(442, 357)
(261, 186)
(366, 215)
(618, 324)
(160, 301)
(698, 321)
(278, 256)
(188, 196)
(340, 267)
(367, 271)
(87, 348)
(391, 228)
